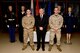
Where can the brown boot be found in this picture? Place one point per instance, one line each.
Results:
(50, 47)
(24, 47)
(58, 47)
(32, 46)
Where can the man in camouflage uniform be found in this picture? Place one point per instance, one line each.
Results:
(55, 23)
(28, 22)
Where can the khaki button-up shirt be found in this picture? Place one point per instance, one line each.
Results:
(28, 22)
(55, 21)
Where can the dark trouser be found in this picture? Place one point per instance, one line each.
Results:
(12, 33)
(20, 34)
(41, 36)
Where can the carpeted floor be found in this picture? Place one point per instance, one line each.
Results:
(7, 47)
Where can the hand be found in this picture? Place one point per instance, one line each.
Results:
(41, 28)
(17, 25)
(34, 29)
(74, 26)
(5, 16)
(7, 26)
(55, 29)
(65, 26)
(27, 28)
(6, 21)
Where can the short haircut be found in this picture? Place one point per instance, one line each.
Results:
(56, 7)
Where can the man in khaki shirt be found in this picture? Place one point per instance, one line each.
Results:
(55, 23)
(28, 22)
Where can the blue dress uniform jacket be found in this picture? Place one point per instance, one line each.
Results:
(69, 22)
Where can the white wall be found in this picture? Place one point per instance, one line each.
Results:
(46, 38)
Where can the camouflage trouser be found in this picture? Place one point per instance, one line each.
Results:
(26, 34)
(52, 36)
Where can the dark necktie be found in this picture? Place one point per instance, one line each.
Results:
(41, 17)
